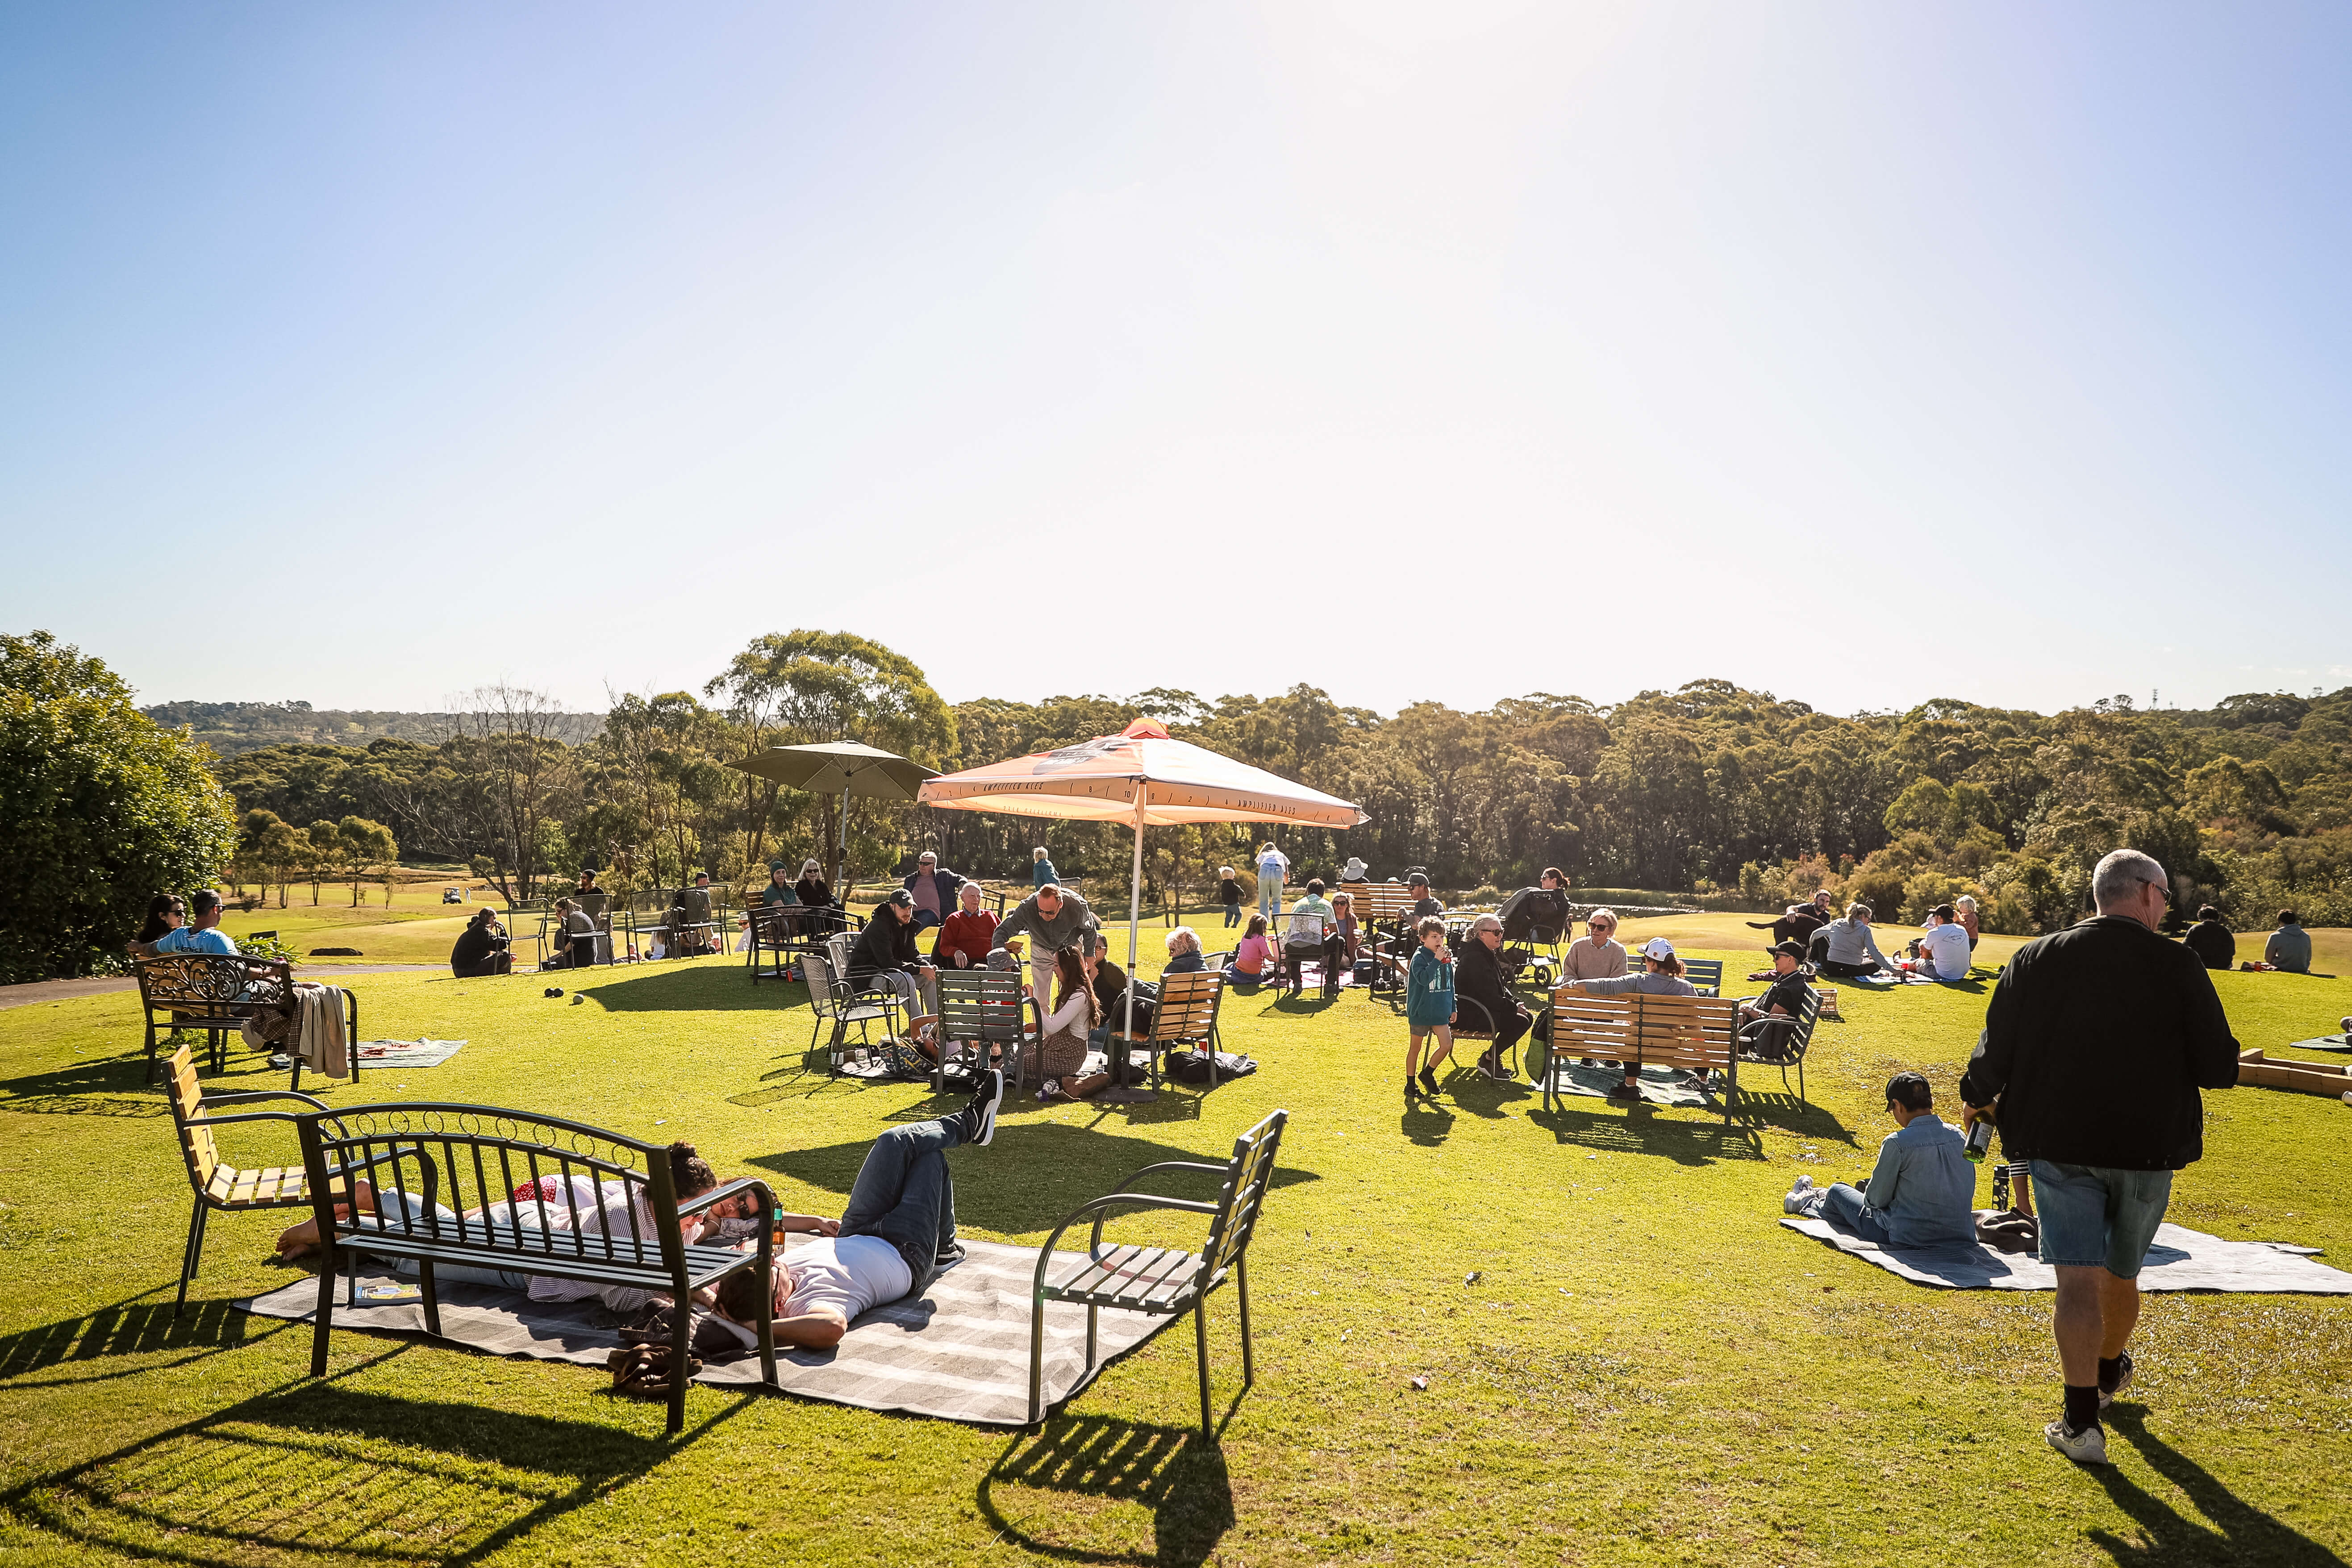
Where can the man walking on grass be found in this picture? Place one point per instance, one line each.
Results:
(2096, 1044)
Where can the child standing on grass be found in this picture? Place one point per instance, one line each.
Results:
(1429, 1006)
(1229, 893)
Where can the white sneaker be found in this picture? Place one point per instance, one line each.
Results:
(2087, 1447)
(1803, 1198)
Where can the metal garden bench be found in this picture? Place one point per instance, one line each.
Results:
(473, 1178)
(217, 993)
(1157, 1281)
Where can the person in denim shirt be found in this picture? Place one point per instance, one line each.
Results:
(1923, 1190)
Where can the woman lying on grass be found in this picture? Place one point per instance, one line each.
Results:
(552, 1204)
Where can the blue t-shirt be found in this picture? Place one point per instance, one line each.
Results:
(188, 939)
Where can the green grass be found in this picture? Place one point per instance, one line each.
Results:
(1647, 1370)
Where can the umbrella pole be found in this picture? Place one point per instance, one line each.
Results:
(1134, 917)
(841, 852)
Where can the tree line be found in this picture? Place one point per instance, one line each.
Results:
(1707, 789)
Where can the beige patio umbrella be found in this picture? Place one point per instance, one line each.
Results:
(843, 768)
(1141, 775)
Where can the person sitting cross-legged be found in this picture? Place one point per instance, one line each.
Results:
(897, 1234)
(1923, 1190)
(1943, 951)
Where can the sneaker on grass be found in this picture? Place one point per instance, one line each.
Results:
(980, 1115)
(2083, 1445)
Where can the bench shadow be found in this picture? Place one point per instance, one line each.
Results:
(131, 1327)
(320, 1471)
(1031, 1174)
(1171, 1470)
(1640, 1130)
(2240, 1533)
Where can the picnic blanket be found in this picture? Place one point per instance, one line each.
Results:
(2324, 1042)
(1658, 1086)
(2180, 1259)
(959, 1352)
(377, 1054)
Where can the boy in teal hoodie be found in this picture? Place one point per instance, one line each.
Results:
(1428, 1006)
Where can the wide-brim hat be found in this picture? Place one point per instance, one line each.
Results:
(1353, 871)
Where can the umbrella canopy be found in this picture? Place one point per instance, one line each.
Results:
(1144, 776)
(845, 768)
(837, 767)
(1103, 780)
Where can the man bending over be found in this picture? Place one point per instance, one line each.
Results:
(892, 1240)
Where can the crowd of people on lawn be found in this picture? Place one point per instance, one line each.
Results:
(2097, 1041)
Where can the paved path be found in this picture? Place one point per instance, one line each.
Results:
(97, 986)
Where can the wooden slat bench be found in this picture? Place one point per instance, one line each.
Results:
(1691, 1034)
(1185, 1016)
(1383, 910)
(459, 1169)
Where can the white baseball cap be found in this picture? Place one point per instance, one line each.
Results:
(1659, 948)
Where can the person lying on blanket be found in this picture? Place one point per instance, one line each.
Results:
(1923, 1190)
(552, 1203)
(892, 1240)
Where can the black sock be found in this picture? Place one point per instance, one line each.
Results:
(2111, 1372)
(2082, 1407)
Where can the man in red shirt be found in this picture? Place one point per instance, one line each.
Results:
(969, 935)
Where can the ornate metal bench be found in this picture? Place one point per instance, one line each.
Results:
(217, 993)
(472, 1192)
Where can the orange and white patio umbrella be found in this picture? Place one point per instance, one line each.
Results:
(1142, 775)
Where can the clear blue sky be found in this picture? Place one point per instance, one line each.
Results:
(1862, 352)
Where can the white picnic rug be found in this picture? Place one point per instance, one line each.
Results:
(959, 1352)
(2179, 1260)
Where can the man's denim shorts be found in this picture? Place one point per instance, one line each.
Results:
(2094, 1217)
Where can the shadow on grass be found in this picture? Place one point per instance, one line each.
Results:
(320, 1472)
(1031, 1174)
(689, 988)
(1640, 1130)
(1169, 1469)
(2240, 1533)
(128, 1328)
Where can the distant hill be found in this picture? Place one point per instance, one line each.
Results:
(233, 726)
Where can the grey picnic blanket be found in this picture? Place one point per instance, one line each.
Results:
(1658, 1086)
(2180, 1259)
(2324, 1042)
(959, 1352)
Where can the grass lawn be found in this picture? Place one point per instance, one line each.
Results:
(1645, 1369)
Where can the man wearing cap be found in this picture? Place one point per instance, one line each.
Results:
(2096, 1044)
(934, 890)
(1786, 998)
(884, 953)
(1052, 917)
(1482, 997)
(1422, 904)
(1922, 1191)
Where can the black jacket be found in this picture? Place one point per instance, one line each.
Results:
(2210, 941)
(2096, 1041)
(1478, 975)
(886, 943)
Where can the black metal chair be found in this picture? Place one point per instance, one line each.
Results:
(836, 1000)
(1157, 1281)
(1779, 1040)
